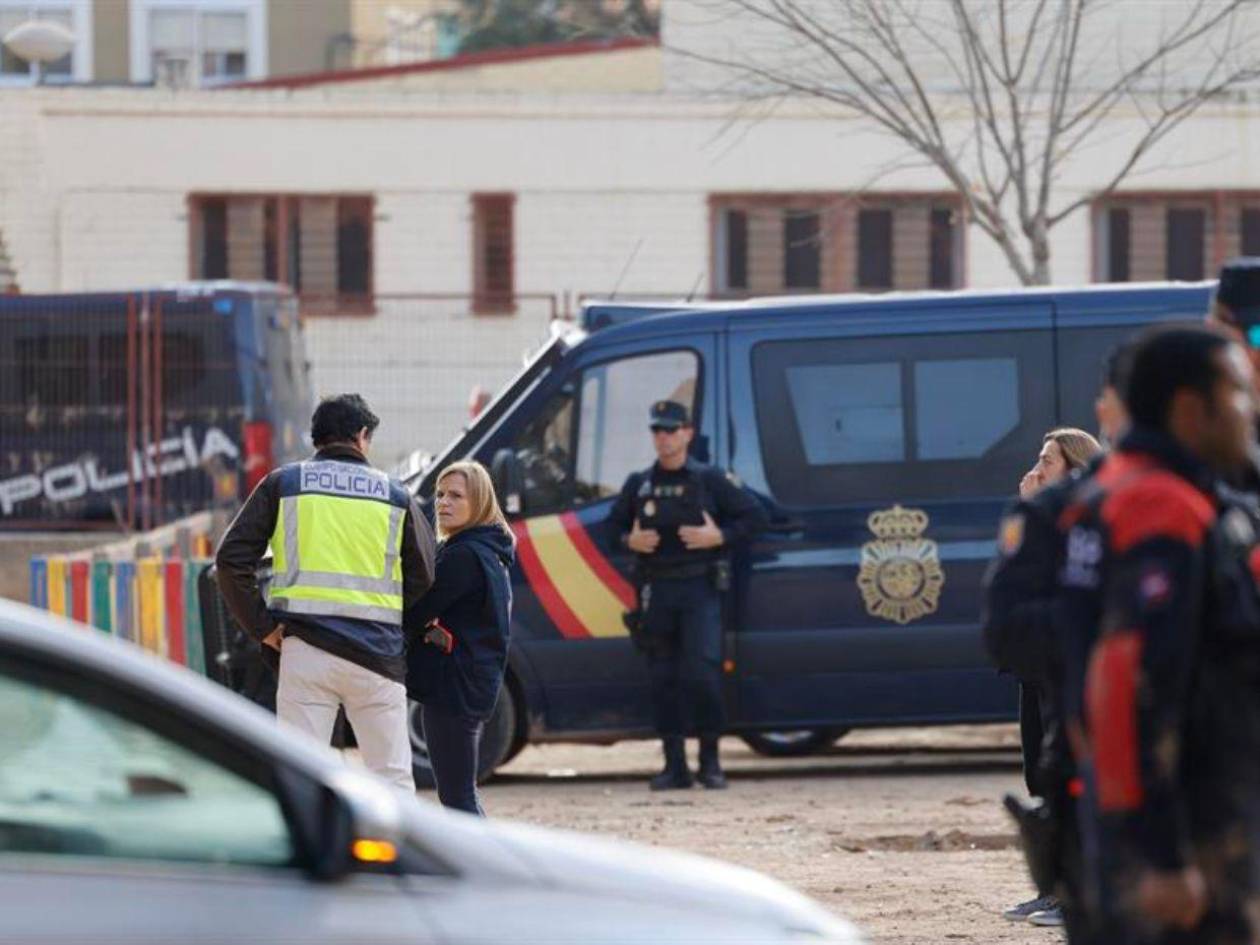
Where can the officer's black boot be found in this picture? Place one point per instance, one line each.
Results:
(710, 774)
(676, 775)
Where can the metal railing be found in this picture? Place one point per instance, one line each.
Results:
(418, 357)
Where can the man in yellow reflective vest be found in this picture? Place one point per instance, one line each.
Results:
(350, 551)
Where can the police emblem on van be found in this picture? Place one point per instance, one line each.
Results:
(900, 577)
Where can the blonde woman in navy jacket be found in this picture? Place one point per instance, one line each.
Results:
(459, 629)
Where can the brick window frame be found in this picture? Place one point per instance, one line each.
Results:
(494, 253)
(1223, 231)
(321, 245)
(838, 231)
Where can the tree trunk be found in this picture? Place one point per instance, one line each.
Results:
(1039, 243)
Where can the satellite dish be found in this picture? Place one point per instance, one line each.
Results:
(40, 40)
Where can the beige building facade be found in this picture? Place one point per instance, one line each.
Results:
(433, 237)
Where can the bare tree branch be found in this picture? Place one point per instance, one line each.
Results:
(999, 96)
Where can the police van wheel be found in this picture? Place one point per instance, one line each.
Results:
(496, 741)
(794, 743)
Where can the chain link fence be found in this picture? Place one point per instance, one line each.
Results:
(417, 359)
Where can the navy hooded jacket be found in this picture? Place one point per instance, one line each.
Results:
(472, 598)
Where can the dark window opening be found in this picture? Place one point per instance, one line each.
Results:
(214, 256)
(282, 251)
(1250, 227)
(271, 223)
(941, 249)
(736, 249)
(354, 246)
(875, 249)
(293, 246)
(1183, 252)
(802, 250)
(1118, 245)
(230, 245)
(493, 286)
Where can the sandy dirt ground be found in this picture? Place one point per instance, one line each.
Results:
(901, 832)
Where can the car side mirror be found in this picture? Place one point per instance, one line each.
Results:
(351, 825)
(509, 481)
(332, 858)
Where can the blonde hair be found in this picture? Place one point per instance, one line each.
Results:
(1077, 446)
(481, 498)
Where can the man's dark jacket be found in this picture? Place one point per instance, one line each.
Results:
(375, 646)
(1162, 665)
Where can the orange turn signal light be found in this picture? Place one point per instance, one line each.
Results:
(374, 851)
(728, 666)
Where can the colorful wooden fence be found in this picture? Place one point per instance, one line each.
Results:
(151, 601)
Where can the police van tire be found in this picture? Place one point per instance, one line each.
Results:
(496, 741)
(794, 743)
(519, 740)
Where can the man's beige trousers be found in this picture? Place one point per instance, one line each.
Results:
(314, 683)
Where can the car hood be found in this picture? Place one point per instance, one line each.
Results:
(616, 869)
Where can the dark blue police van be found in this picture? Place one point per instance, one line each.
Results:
(132, 408)
(883, 435)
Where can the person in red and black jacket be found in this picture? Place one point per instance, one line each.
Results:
(1161, 648)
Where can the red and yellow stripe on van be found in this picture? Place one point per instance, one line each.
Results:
(578, 587)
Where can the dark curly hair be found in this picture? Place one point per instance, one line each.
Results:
(1166, 359)
(339, 419)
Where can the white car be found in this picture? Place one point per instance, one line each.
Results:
(142, 804)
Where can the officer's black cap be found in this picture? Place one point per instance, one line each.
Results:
(1239, 289)
(668, 415)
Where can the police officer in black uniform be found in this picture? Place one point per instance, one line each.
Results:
(681, 518)
(1019, 623)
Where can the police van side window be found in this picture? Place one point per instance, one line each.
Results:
(848, 413)
(964, 406)
(616, 397)
(919, 417)
(1082, 362)
(593, 432)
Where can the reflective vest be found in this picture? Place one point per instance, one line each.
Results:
(337, 546)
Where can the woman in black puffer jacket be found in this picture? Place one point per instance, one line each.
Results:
(459, 630)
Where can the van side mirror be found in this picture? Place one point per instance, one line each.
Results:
(509, 481)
